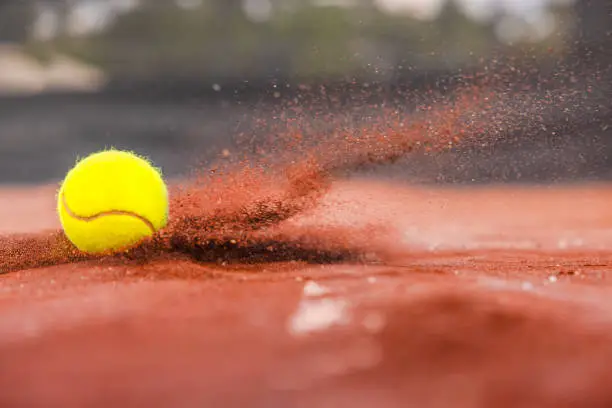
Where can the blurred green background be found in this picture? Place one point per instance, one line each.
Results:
(244, 40)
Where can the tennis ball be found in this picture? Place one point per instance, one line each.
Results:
(111, 201)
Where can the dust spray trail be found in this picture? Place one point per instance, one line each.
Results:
(477, 112)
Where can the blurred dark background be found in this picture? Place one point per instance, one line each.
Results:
(178, 79)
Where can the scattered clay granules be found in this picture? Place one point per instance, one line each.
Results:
(234, 209)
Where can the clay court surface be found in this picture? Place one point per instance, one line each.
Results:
(485, 297)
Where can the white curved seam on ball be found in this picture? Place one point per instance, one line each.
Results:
(93, 217)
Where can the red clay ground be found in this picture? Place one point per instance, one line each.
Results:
(487, 297)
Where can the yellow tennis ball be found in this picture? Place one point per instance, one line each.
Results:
(111, 201)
